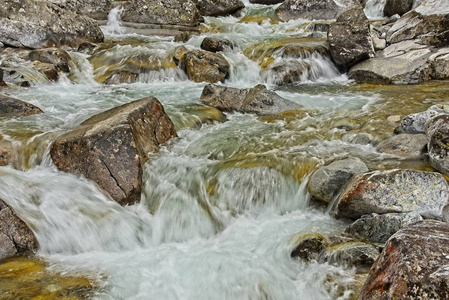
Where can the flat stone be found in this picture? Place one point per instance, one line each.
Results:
(11, 107)
(407, 146)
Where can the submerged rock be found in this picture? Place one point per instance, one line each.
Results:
(350, 39)
(438, 143)
(15, 236)
(216, 8)
(256, 100)
(408, 146)
(11, 107)
(39, 24)
(313, 9)
(413, 264)
(216, 45)
(397, 7)
(428, 21)
(205, 66)
(169, 12)
(416, 123)
(6, 152)
(351, 254)
(394, 191)
(111, 147)
(326, 182)
(309, 246)
(379, 228)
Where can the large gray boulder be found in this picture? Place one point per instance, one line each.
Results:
(170, 12)
(326, 182)
(95, 9)
(111, 147)
(394, 191)
(216, 8)
(397, 7)
(350, 39)
(256, 100)
(313, 9)
(39, 24)
(438, 142)
(15, 236)
(406, 146)
(429, 22)
(416, 123)
(11, 107)
(205, 66)
(413, 265)
(407, 62)
(379, 228)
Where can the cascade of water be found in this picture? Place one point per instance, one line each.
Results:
(113, 26)
(374, 8)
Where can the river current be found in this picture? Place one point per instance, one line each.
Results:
(224, 203)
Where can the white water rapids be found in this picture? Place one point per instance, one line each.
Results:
(222, 205)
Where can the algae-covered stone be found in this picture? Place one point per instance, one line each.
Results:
(394, 191)
(205, 66)
(351, 254)
(413, 265)
(379, 228)
(326, 182)
(111, 147)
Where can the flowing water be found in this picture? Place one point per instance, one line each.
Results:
(224, 203)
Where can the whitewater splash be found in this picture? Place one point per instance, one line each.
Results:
(114, 24)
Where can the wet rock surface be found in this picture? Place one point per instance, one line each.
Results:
(54, 56)
(349, 38)
(215, 8)
(416, 123)
(172, 12)
(394, 191)
(429, 22)
(266, 2)
(205, 66)
(256, 100)
(309, 246)
(351, 254)
(399, 7)
(326, 182)
(407, 146)
(11, 107)
(313, 9)
(216, 45)
(111, 147)
(379, 228)
(413, 264)
(15, 236)
(38, 24)
(438, 142)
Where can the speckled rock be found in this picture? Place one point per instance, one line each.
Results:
(351, 254)
(437, 132)
(2, 82)
(169, 12)
(216, 45)
(266, 2)
(379, 228)
(394, 191)
(15, 235)
(397, 7)
(111, 147)
(416, 123)
(39, 24)
(95, 9)
(6, 152)
(429, 22)
(256, 100)
(350, 39)
(205, 66)
(326, 182)
(407, 146)
(11, 107)
(313, 9)
(309, 246)
(413, 265)
(216, 8)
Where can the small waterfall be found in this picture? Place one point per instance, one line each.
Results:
(374, 8)
(113, 26)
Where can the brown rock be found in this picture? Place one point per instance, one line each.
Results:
(413, 265)
(11, 107)
(16, 231)
(216, 45)
(397, 7)
(5, 152)
(309, 246)
(216, 8)
(204, 66)
(57, 57)
(48, 70)
(111, 147)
